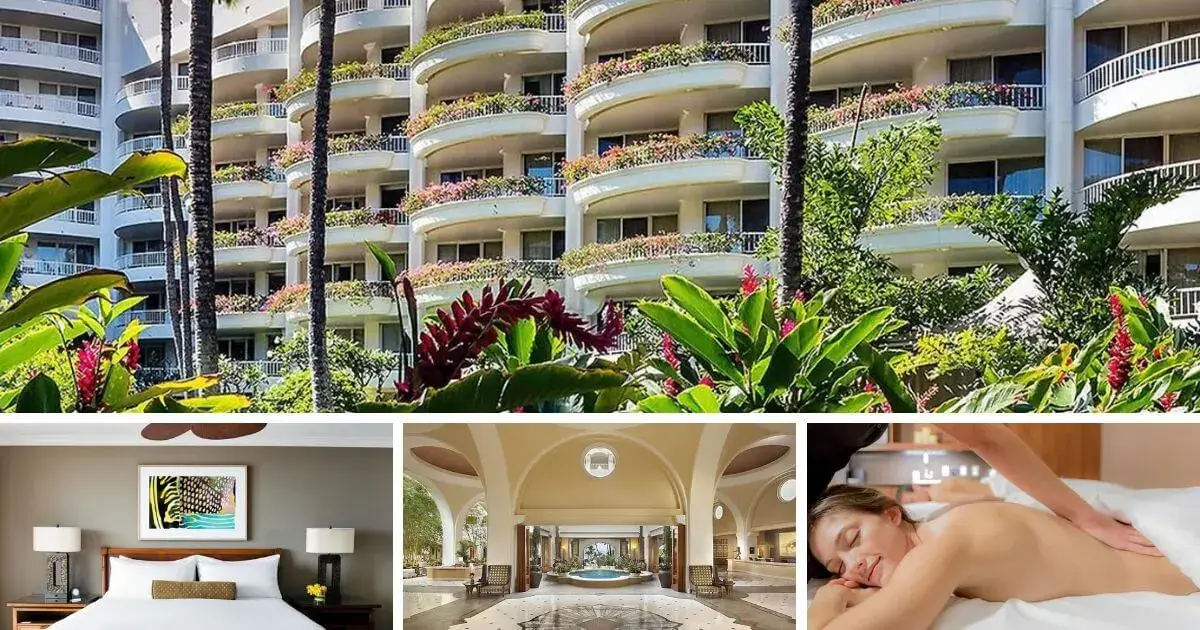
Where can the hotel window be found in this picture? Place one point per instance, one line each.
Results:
(1022, 69)
(1110, 157)
(90, 42)
(392, 126)
(392, 196)
(747, 32)
(355, 335)
(543, 244)
(392, 54)
(1105, 44)
(1013, 176)
(604, 143)
(787, 491)
(74, 92)
(235, 225)
(234, 286)
(275, 281)
(343, 272)
(11, 31)
(393, 338)
(737, 216)
(9, 85)
(454, 177)
(466, 252)
(275, 216)
(148, 246)
(599, 461)
(66, 252)
(544, 84)
(237, 348)
(339, 204)
(545, 166)
(617, 229)
(545, 6)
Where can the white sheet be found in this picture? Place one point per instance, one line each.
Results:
(1169, 518)
(187, 614)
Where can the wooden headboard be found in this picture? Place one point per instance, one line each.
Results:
(172, 553)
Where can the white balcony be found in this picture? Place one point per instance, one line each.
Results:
(135, 212)
(377, 301)
(487, 44)
(252, 320)
(46, 109)
(354, 16)
(591, 14)
(138, 101)
(391, 155)
(1134, 93)
(33, 53)
(249, 257)
(543, 274)
(71, 222)
(265, 119)
(492, 210)
(256, 56)
(1175, 223)
(542, 115)
(78, 10)
(1185, 303)
(36, 272)
(267, 184)
(387, 81)
(387, 226)
(157, 321)
(151, 143)
(143, 266)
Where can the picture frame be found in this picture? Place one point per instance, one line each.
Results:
(198, 503)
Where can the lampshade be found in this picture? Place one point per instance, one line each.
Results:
(57, 539)
(331, 540)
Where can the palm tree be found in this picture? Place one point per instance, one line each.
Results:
(200, 112)
(791, 230)
(178, 289)
(316, 214)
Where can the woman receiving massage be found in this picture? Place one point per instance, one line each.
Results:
(896, 574)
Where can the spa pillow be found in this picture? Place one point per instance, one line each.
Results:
(255, 579)
(134, 579)
(162, 589)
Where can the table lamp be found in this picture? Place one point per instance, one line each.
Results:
(59, 543)
(329, 543)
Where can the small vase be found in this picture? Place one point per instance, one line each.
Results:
(319, 600)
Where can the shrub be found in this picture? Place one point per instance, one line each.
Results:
(663, 56)
(294, 394)
(293, 154)
(242, 173)
(920, 98)
(658, 149)
(292, 226)
(647, 247)
(303, 151)
(832, 11)
(348, 71)
(484, 269)
(239, 303)
(475, 106)
(458, 30)
(358, 292)
(486, 188)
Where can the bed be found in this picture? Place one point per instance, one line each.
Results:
(112, 613)
(1166, 517)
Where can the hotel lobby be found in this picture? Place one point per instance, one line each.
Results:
(600, 526)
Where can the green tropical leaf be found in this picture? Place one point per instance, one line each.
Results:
(387, 266)
(990, 399)
(11, 249)
(36, 154)
(168, 388)
(889, 383)
(692, 336)
(519, 339)
(659, 403)
(751, 312)
(69, 291)
(40, 395)
(38, 338)
(532, 384)
(478, 392)
(700, 305)
(217, 403)
(119, 384)
(699, 399)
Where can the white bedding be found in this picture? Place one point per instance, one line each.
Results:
(1169, 518)
(187, 614)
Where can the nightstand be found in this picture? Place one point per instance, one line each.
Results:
(35, 613)
(349, 614)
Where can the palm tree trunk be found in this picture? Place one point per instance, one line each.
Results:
(173, 302)
(791, 230)
(185, 280)
(200, 112)
(316, 214)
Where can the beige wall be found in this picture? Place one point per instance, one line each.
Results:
(95, 489)
(559, 481)
(770, 512)
(1150, 455)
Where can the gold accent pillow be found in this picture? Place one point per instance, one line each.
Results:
(163, 589)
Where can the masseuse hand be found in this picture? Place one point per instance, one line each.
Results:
(1118, 535)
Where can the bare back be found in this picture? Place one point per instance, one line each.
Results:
(1016, 552)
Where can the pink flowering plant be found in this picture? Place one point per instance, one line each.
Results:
(294, 298)
(347, 71)
(484, 270)
(466, 190)
(663, 56)
(250, 237)
(242, 173)
(832, 11)
(658, 149)
(240, 303)
(497, 23)
(359, 217)
(921, 98)
(478, 105)
(347, 143)
(658, 247)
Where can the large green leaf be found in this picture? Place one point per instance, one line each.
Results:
(45, 198)
(700, 305)
(693, 337)
(11, 249)
(69, 291)
(218, 403)
(169, 388)
(387, 266)
(533, 384)
(35, 154)
(37, 338)
(520, 339)
(118, 385)
(751, 312)
(613, 399)
(659, 403)
(847, 338)
(699, 399)
(990, 399)
(478, 392)
(886, 379)
(40, 395)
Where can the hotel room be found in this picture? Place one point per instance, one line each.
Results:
(196, 527)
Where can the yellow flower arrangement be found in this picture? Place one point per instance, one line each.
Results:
(317, 591)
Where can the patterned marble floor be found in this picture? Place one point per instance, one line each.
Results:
(782, 603)
(420, 602)
(753, 580)
(425, 581)
(509, 614)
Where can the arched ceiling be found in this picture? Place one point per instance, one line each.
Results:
(444, 459)
(755, 457)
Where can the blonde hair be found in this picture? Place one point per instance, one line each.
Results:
(846, 498)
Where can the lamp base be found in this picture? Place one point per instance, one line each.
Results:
(58, 577)
(332, 579)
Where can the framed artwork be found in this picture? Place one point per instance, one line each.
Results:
(787, 544)
(193, 503)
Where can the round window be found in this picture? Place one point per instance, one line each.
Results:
(787, 491)
(599, 461)
(718, 511)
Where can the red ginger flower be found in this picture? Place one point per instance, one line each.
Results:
(707, 380)
(668, 350)
(1120, 353)
(1115, 307)
(132, 357)
(872, 388)
(750, 281)
(87, 371)
(787, 327)
(1168, 401)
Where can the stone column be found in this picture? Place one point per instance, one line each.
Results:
(1059, 99)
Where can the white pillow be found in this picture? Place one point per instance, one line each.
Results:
(255, 579)
(1089, 490)
(923, 510)
(132, 579)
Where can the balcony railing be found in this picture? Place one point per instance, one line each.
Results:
(48, 102)
(1174, 53)
(38, 47)
(250, 48)
(82, 216)
(659, 247)
(56, 268)
(133, 203)
(87, 4)
(148, 143)
(932, 209)
(346, 7)
(270, 369)
(555, 23)
(1095, 192)
(1186, 302)
(928, 98)
(142, 259)
(151, 85)
(395, 144)
(756, 54)
(483, 270)
(147, 316)
(659, 150)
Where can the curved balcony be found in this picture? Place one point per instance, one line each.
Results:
(963, 111)
(254, 57)
(919, 231)
(135, 214)
(691, 74)
(482, 117)
(49, 110)
(1134, 93)
(246, 312)
(588, 15)
(78, 10)
(348, 229)
(1172, 223)
(343, 300)
(438, 284)
(35, 272)
(151, 143)
(490, 37)
(144, 266)
(156, 320)
(234, 120)
(248, 249)
(236, 183)
(69, 222)
(348, 155)
(715, 165)
(496, 200)
(354, 81)
(634, 267)
(354, 16)
(33, 53)
(137, 102)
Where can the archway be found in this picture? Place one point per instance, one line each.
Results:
(428, 524)
(472, 528)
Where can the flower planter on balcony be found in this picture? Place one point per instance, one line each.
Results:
(246, 182)
(352, 81)
(248, 119)
(352, 298)
(356, 15)
(254, 247)
(840, 25)
(246, 312)
(347, 154)
(439, 284)
(491, 199)
(348, 227)
(484, 116)
(459, 43)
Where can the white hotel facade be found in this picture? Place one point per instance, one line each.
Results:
(1105, 87)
